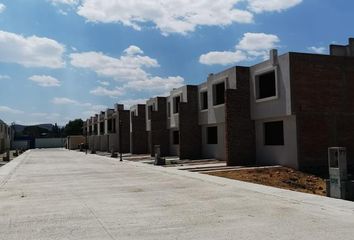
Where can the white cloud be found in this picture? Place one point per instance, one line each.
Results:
(102, 91)
(252, 45)
(64, 101)
(133, 50)
(319, 50)
(30, 51)
(68, 2)
(6, 109)
(127, 67)
(169, 16)
(223, 58)
(4, 77)
(129, 70)
(104, 83)
(155, 84)
(45, 81)
(259, 6)
(2, 7)
(130, 102)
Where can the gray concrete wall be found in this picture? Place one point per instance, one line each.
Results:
(50, 142)
(215, 115)
(216, 151)
(281, 104)
(174, 148)
(285, 155)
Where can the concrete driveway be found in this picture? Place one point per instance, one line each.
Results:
(60, 194)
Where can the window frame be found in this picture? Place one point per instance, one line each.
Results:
(214, 92)
(256, 84)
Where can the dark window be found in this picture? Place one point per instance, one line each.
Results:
(110, 125)
(273, 133)
(266, 85)
(132, 114)
(113, 125)
(218, 92)
(204, 100)
(176, 101)
(150, 108)
(175, 137)
(102, 127)
(168, 109)
(212, 135)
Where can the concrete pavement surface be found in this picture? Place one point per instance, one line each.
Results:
(60, 194)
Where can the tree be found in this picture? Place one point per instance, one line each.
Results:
(74, 127)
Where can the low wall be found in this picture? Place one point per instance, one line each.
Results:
(74, 141)
(50, 142)
(21, 144)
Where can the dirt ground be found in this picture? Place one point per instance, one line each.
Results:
(280, 177)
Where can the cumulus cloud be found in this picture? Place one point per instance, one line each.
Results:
(30, 51)
(45, 81)
(102, 91)
(64, 101)
(128, 67)
(259, 6)
(129, 70)
(4, 77)
(104, 83)
(223, 58)
(68, 2)
(6, 109)
(175, 16)
(252, 45)
(2, 7)
(170, 16)
(318, 50)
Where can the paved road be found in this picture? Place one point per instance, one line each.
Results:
(59, 194)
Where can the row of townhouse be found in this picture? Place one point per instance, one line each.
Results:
(5, 136)
(286, 110)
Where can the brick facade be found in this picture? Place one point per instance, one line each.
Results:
(159, 135)
(239, 128)
(138, 134)
(189, 128)
(124, 117)
(322, 89)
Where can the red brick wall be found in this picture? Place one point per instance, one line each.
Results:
(159, 134)
(138, 133)
(124, 117)
(189, 129)
(239, 128)
(322, 89)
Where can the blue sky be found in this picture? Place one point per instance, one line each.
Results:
(66, 59)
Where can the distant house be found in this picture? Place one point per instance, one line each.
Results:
(5, 136)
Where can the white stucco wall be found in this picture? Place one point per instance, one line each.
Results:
(285, 155)
(281, 106)
(215, 115)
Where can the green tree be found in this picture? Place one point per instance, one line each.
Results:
(74, 127)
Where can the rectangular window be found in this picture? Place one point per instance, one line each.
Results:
(168, 109)
(274, 133)
(150, 109)
(110, 125)
(175, 135)
(204, 100)
(218, 93)
(176, 101)
(266, 85)
(212, 135)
